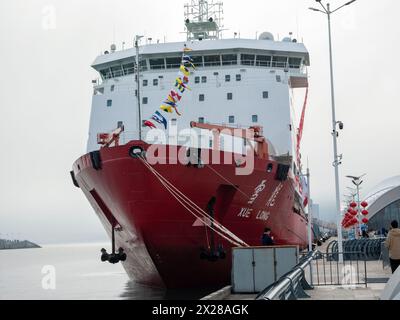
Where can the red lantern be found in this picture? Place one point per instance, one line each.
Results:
(349, 210)
(354, 213)
(353, 205)
(365, 212)
(364, 204)
(354, 221)
(365, 220)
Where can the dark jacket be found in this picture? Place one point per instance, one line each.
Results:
(267, 240)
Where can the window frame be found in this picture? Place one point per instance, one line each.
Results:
(157, 66)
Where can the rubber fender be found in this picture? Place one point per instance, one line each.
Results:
(76, 184)
(96, 160)
(282, 172)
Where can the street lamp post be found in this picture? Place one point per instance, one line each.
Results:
(337, 159)
(357, 182)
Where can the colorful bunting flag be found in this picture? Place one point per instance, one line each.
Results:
(167, 109)
(181, 84)
(160, 119)
(150, 124)
(184, 70)
(175, 95)
(169, 103)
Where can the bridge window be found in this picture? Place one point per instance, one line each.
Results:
(143, 65)
(279, 62)
(129, 68)
(117, 71)
(157, 64)
(254, 118)
(231, 119)
(265, 94)
(145, 100)
(204, 79)
(155, 82)
(198, 61)
(106, 74)
(197, 80)
(238, 77)
(173, 63)
(294, 63)
(201, 97)
(145, 83)
(201, 120)
(212, 61)
(230, 96)
(263, 61)
(227, 78)
(248, 59)
(109, 103)
(229, 60)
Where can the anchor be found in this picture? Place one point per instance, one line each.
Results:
(114, 257)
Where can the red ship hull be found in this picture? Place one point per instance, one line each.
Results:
(162, 240)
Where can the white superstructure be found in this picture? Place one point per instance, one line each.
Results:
(238, 82)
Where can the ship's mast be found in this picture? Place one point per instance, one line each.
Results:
(137, 38)
(203, 19)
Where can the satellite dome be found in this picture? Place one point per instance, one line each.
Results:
(266, 36)
(113, 48)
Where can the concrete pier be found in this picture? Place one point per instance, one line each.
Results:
(373, 273)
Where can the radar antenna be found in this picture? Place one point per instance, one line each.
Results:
(203, 19)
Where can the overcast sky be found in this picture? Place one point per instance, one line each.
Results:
(47, 47)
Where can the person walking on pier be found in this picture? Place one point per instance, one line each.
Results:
(393, 244)
(267, 239)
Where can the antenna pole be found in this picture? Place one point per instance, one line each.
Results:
(138, 85)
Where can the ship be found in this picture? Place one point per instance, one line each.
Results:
(172, 211)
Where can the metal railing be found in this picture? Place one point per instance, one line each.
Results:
(328, 271)
(324, 271)
(292, 285)
(370, 249)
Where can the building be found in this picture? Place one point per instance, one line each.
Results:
(315, 210)
(384, 204)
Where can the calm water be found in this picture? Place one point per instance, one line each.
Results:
(79, 275)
